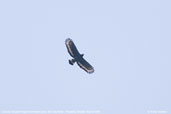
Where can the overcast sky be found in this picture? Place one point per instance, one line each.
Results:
(127, 41)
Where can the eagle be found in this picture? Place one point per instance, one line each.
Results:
(77, 57)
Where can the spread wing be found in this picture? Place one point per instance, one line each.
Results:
(72, 50)
(85, 65)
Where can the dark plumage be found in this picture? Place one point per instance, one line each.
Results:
(77, 57)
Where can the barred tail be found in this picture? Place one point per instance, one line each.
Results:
(71, 62)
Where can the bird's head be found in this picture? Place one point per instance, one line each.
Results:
(82, 55)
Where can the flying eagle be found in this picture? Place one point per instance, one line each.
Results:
(77, 57)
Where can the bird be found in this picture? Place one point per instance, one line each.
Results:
(77, 57)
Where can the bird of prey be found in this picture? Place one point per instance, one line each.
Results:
(77, 57)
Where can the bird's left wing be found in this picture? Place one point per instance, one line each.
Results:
(72, 50)
(85, 65)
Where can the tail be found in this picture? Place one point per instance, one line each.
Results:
(71, 62)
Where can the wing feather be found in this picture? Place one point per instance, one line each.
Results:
(72, 50)
(82, 63)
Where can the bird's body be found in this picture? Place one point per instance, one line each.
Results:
(77, 57)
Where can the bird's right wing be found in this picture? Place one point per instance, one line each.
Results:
(72, 50)
(85, 65)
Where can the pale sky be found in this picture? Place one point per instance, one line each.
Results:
(128, 42)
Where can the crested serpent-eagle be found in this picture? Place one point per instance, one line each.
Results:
(77, 57)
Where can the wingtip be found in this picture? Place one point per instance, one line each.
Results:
(68, 39)
(91, 72)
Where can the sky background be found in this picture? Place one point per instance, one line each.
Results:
(127, 41)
